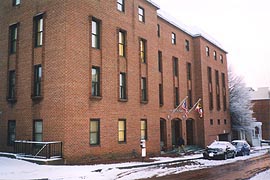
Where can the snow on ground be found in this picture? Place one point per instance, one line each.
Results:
(14, 169)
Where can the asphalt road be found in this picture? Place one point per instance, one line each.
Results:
(240, 170)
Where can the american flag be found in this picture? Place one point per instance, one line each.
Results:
(184, 107)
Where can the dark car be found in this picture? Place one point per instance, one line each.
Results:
(220, 150)
(242, 147)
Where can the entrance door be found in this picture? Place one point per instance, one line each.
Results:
(175, 131)
(189, 130)
(163, 135)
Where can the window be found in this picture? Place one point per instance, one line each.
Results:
(141, 14)
(38, 130)
(37, 80)
(224, 92)
(189, 84)
(122, 43)
(159, 61)
(16, 2)
(221, 58)
(161, 94)
(143, 50)
(121, 131)
(173, 38)
(38, 28)
(11, 132)
(217, 90)
(175, 66)
(176, 96)
(11, 85)
(187, 45)
(95, 33)
(122, 79)
(209, 72)
(158, 30)
(121, 5)
(215, 55)
(143, 129)
(94, 132)
(207, 51)
(143, 89)
(225, 121)
(218, 121)
(211, 122)
(95, 81)
(13, 30)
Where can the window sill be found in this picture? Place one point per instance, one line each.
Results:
(94, 145)
(37, 98)
(144, 102)
(96, 97)
(123, 100)
(12, 100)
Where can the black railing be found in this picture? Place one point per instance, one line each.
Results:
(44, 150)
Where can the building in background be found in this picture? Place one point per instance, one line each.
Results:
(99, 76)
(261, 109)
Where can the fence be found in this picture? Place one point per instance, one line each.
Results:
(44, 150)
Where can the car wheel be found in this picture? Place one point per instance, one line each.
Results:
(225, 156)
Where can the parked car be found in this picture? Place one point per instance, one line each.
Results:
(220, 150)
(242, 147)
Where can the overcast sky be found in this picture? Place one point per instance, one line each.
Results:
(241, 26)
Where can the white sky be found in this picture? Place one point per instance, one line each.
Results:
(241, 26)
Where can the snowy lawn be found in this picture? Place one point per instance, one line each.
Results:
(13, 169)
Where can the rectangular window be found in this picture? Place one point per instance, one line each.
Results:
(161, 95)
(224, 92)
(158, 30)
(13, 30)
(176, 96)
(175, 66)
(218, 121)
(211, 122)
(143, 50)
(225, 121)
(11, 132)
(207, 51)
(189, 84)
(209, 72)
(187, 45)
(215, 55)
(38, 28)
(122, 43)
(94, 132)
(159, 61)
(173, 38)
(143, 89)
(95, 33)
(38, 130)
(221, 58)
(217, 90)
(11, 84)
(121, 131)
(121, 5)
(144, 129)
(141, 14)
(37, 80)
(16, 2)
(122, 79)
(95, 81)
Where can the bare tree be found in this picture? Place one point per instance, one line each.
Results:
(240, 103)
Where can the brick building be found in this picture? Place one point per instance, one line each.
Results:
(261, 109)
(101, 75)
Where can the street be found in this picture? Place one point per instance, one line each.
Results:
(243, 169)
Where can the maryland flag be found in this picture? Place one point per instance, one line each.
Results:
(199, 110)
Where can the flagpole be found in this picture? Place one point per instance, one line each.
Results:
(194, 105)
(180, 104)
